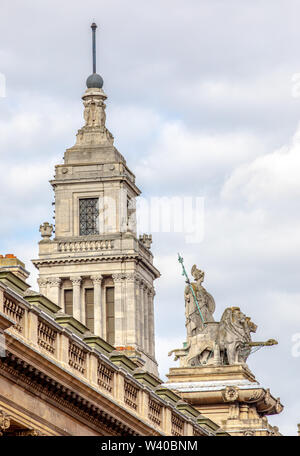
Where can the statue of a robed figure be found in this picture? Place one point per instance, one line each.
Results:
(194, 322)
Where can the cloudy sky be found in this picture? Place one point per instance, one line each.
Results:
(203, 102)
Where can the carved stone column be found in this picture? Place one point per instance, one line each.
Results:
(146, 318)
(137, 309)
(131, 332)
(54, 292)
(119, 281)
(76, 281)
(43, 286)
(141, 313)
(98, 308)
(151, 326)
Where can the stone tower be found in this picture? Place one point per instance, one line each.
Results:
(95, 268)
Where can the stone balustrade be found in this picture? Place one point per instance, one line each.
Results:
(85, 246)
(105, 378)
(14, 310)
(131, 393)
(47, 337)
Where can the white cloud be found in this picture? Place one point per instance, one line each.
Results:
(188, 159)
(271, 177)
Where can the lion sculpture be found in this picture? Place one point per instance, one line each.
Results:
(226, 342)
(234, 336)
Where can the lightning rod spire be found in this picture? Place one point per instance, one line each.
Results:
(94, 81)
(93, 27)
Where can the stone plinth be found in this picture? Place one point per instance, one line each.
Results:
(228, 395)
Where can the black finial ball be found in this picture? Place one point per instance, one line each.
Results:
(94, 81)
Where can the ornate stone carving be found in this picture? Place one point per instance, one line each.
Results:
(230, 394)
(256, 396)
(54, 281)
(130, 277)
(28, 433)
(76, 281)
(146, 240)
(94, 112)
(97, 278)
(46, 231)
(42, 282)
(278, 406)
(4, 422)
(119, 277)
(94, 130)
(275, 430)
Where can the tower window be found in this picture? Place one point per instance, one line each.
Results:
(89, 308)
(88, 216)
(68, 298)
(110, 315)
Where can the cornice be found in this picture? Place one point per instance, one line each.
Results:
(111, 178)
(96, 259)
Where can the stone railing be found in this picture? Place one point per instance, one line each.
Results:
(85, 246)
(155, 412)
(14, 310)
(77, 358)
(46, 337)
(177, 425)
(131, 395)
(105, 377)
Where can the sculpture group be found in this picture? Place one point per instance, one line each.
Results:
(210, 342)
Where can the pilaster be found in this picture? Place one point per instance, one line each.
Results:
(119, 282)
(54, 290)
(42, 283)
(131, 335)
(76, 282)
(98, 308)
